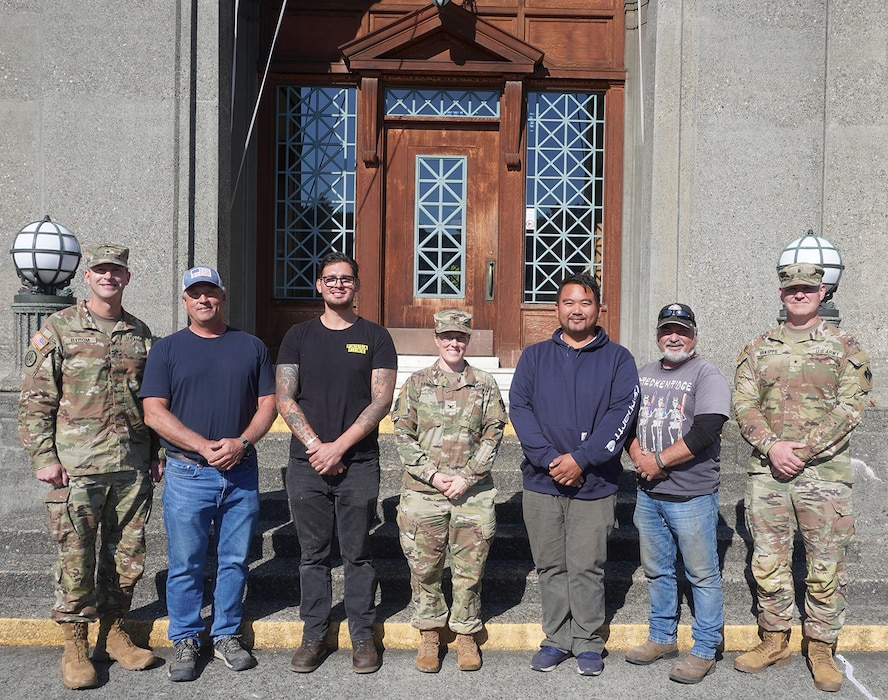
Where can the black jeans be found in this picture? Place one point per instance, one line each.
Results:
(316, 502)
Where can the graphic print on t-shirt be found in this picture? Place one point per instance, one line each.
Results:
(663, 414)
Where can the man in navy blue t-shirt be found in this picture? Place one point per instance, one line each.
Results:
(208, 392)
(335, 380)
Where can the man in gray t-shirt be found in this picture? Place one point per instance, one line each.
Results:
(685, 402)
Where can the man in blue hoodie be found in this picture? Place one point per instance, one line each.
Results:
(573, 400)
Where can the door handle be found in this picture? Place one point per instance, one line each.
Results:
(489, 279)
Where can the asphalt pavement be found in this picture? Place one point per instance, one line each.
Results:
(33, 672)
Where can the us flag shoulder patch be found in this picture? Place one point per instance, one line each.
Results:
(39, 340)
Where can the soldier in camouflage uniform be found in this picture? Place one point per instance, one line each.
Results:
(449, 421)
(80, 421)
(799, 393)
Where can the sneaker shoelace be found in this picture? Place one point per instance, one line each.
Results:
(186, 651)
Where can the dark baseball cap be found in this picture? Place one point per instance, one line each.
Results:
(680, 314)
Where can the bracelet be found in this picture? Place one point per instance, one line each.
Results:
(659, 461)
(311, 441)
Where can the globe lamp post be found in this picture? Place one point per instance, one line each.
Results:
(45, 255)
(819, 251)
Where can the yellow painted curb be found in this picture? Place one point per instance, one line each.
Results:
(268, 634)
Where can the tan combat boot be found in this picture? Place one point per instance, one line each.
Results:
(427, 659)
(114, 643)
(823, 667)
(77, 670)
(773, 650)
(467, 655)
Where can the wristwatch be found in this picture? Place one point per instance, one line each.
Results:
(248, 446)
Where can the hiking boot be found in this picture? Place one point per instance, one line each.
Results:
(650, 651)
(182, 667)
(114, 643)
(467, 655)
(233, 655)
(308, 656)
(823, 667)
(691, 669)
(773, 650)
(589, 663)
(427, 659)
(77, 670)
(547, 658)
(365, 658)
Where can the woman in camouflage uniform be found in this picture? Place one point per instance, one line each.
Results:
(449, 421)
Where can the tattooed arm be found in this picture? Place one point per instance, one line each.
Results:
(286, 385)
(326, 457)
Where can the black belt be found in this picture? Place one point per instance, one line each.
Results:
(185, 458)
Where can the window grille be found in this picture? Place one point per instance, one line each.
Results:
(315, 183)
(439, 233)
(564, 190)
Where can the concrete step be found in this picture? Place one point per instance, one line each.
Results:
(511, 591)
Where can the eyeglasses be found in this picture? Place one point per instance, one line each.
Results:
(333, 280)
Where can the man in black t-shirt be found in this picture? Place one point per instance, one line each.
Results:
(335, 381)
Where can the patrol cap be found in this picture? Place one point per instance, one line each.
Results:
(453, 320)
(201, 274)
(679, 314)
(800, 275)
(106, 253)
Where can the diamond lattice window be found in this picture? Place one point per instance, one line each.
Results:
(564, 195)
(315, 183)
(402, 102)
(439, 231)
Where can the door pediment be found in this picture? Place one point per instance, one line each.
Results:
(432, 40)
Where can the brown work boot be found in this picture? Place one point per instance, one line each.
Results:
(427, 659)
(114, 643)
(773, 650)
(823, 667)
(365, 658)
(467, 655)
(691, 669)
(77, 670)
(308, 656)
(650, 651)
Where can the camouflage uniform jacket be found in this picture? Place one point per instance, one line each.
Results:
(447, 425)
(811, 391)
(79, 405)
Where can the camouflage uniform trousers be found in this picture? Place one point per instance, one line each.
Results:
(431, 526)
(117, 505)
(822, 512)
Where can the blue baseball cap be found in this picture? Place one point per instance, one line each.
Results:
(201, 274)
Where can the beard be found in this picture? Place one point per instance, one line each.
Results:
(676, 356)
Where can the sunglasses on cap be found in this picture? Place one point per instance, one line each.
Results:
(680, 313)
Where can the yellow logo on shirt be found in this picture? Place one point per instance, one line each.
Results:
(359, 348)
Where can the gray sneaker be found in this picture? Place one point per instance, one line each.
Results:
(182, 668)
(231, 652)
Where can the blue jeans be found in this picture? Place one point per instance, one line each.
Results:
(194, 497)
(349, 501)
(688, 527)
